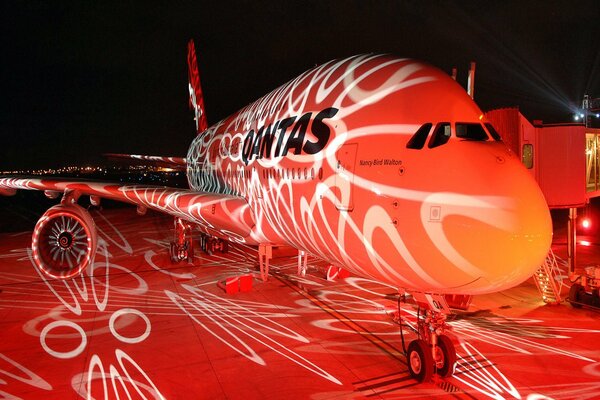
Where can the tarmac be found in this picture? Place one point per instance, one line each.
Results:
(136, 326)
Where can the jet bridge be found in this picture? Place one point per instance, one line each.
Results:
(563, 158)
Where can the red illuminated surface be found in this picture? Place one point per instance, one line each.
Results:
(145, 328)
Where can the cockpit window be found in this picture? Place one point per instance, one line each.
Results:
(471, 131)
(417, 141)
(440, 136)
(493, 132)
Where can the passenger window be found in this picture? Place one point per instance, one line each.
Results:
(417, 141)
(471, 132)
(440, 136)
(493, 132)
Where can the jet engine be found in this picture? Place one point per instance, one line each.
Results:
(64, 241)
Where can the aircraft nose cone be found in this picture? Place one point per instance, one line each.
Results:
(497, 240)
(521, 250)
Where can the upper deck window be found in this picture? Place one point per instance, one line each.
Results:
(417, 141)
(440, 136)
(471, 131)
(493, 132)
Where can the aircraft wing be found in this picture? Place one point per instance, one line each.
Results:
(224, 214)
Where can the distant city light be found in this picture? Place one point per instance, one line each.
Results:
(147, 173)
(576, 117)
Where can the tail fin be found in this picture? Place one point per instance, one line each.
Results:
(196, 99)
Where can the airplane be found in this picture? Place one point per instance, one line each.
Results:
(379, 165)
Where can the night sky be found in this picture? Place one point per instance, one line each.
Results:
(84, 78)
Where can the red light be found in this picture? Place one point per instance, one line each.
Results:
(586, 223)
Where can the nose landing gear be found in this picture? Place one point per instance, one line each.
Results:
(433, 351)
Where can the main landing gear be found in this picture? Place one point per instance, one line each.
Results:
(182, 246)
(210, 245)
(432, 351)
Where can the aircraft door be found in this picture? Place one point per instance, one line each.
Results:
(344, 176)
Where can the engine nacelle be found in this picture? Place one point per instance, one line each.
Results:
(64, 241)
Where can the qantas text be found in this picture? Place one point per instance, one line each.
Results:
(260, 144)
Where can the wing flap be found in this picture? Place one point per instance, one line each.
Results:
(222, 213)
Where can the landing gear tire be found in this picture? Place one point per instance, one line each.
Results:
(420, 360)
(445, 356)
(173, 253)
(179, 254)
(190, 251)
(574, 294)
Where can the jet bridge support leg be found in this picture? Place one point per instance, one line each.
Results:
(432, 351)
(265, 254)
(572, 240)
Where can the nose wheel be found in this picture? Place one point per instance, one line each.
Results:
(444, 356)
(432, 352)
(420, 361)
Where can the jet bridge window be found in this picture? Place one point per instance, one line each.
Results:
(417, 141)
(440, 136)
(471, 132)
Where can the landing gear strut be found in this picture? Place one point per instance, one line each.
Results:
(182, 246)
(433, 351)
